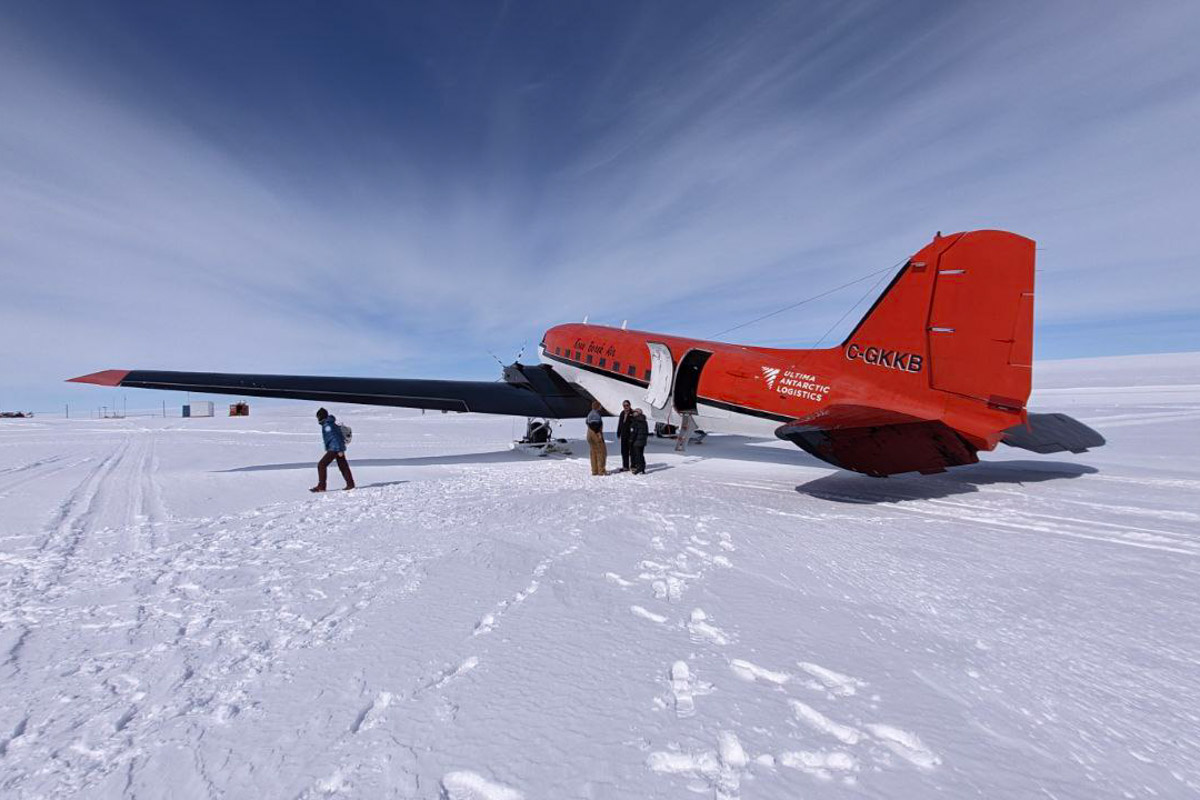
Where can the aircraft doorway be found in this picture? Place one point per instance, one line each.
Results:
(687, 380)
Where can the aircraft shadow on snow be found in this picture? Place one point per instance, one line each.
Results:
(723, 447)
(840, 486)
(492, 457)
(734, 447)
(382, 484)
(848, 487)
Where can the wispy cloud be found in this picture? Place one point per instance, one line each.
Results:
(397, 194)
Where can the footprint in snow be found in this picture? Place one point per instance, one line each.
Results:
(485, 625)
(669, 588)
(613, 577)
(684, 689)
(823, 724)
(822, 765)
(835, 682)
(466, 785)
(905, 744)
(370, 716)
(703, 630)
(751, 673)
(638, 611)
(681, 689)
(709, 558)
(448, 675)
(722, 768)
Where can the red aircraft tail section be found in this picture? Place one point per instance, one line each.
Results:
(961, 311)
(949, 347)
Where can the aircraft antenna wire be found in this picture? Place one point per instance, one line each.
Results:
(857, 303)
(818, 297)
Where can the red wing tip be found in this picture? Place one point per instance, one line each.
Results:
(107, 377)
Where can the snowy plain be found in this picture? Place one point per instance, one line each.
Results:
(179, 617)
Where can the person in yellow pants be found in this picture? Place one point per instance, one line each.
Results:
(595, 439)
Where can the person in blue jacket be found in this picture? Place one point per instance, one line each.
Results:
(335, 448)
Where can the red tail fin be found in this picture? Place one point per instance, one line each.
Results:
(961, 311)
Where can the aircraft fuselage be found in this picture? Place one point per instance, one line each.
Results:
(753, 390)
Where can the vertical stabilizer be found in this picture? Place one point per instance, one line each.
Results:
(981, 319)
(961, 312)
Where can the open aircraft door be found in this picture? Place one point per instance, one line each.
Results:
(662, 374)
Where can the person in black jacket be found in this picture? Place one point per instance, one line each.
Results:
(639, 433)
(623, 434)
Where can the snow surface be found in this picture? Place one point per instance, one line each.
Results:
(180, 617)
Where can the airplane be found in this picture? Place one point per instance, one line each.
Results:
(939, 369)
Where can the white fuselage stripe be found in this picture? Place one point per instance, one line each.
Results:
(612, 391)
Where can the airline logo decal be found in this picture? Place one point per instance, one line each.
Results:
(597, 349)
(795, 384)
(882, 357)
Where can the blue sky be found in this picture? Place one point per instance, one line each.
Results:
(391, 189)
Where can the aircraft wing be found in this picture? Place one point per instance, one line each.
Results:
(526, 391)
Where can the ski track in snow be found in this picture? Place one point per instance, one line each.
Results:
(491, 627)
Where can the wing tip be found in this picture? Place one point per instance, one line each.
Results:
(106, 377)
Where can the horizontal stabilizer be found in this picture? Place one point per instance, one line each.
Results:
(1052, 433)
(528, 391)
(882, 450)
(847, 415)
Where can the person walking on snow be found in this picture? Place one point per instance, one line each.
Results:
(639, 434)
(623, 433)
(335, 448)
(595, 439)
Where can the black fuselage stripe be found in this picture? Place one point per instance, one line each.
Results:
(752, 412)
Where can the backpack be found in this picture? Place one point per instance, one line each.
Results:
(347, 434)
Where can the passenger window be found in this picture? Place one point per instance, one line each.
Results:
(576, 355)
(589, 358)
(632, 370)
(647, 374)
(603, 361)
(558, 351)
(616, 366)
